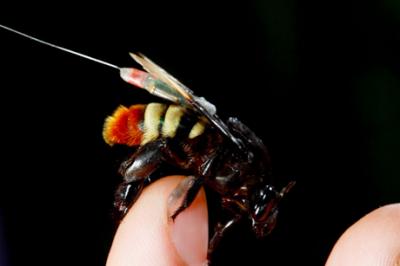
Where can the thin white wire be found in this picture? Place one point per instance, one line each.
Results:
(59, 47)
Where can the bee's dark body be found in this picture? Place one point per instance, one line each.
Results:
(227, 157)
(241, 176)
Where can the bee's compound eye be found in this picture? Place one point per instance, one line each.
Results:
(264, 202)
(263, 228)
(262, 211)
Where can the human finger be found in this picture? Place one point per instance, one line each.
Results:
(146, 236)
(373, 240)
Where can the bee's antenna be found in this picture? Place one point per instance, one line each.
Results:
(287, 188)
(59, 47)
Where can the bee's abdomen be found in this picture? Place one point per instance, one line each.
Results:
(140, 124)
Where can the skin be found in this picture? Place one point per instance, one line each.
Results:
(147, 237)
(373, 240)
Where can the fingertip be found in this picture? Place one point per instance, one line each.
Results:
(373, 240)
(189, 232)
(144, 235)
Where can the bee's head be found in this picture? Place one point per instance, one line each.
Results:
(264, 208)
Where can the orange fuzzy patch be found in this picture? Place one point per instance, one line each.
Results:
(123, 126)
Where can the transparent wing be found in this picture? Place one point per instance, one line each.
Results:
(163, 75)
(198, 104)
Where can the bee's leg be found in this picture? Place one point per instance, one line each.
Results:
(234, 210)
(219, 231)
(135, 171)
(125, 195)
(183, 195)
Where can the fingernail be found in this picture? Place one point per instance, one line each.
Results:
(189, 232)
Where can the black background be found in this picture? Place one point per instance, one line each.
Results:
(318, 82)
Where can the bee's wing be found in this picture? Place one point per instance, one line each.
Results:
(187, 98)
(159, 73)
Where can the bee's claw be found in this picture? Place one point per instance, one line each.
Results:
(182, 196)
